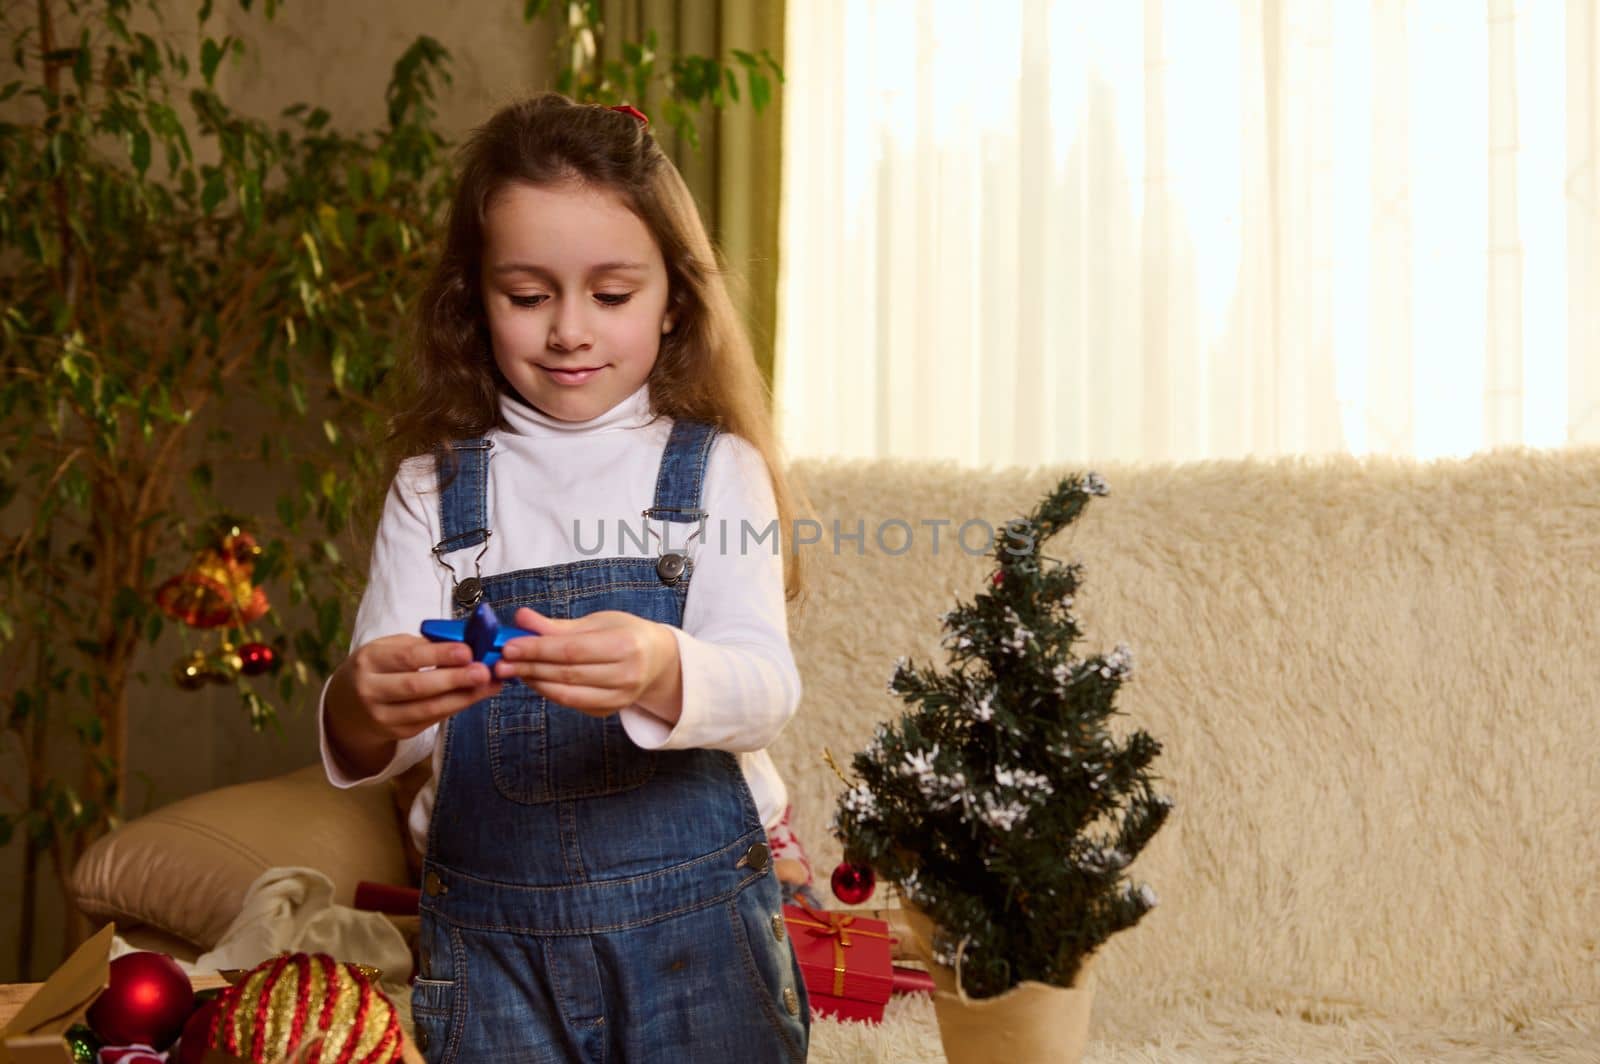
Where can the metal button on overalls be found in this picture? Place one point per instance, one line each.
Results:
(468, 593)
(670, 567)
(756, 858)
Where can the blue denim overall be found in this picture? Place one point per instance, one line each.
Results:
(585, 899)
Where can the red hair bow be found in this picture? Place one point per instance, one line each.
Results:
(634, 111)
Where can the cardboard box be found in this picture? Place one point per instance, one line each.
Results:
(845, 961)
(36, 1034)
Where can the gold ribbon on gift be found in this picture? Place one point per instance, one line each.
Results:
(837, 926)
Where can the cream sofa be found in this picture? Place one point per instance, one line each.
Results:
(1376, 682)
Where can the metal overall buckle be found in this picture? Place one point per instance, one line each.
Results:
(672, 564)
(469, 592)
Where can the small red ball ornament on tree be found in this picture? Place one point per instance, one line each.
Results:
(853, 884)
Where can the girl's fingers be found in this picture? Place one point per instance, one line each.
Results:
(574, 648)
(597, 674)
(403, 687)
(534, 621)
(408, 653)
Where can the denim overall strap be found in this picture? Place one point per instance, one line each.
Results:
(680, 481)
(462, 467)
(464, 501)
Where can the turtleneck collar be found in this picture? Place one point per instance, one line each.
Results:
(522, 419)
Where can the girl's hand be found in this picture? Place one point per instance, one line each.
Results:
(379, 695)
(597, 664)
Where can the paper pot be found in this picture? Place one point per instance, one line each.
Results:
(1032, 1023)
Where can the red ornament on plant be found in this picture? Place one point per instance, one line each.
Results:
(197, 1034)
(146, 1002)
(257, 658)
(853, 884)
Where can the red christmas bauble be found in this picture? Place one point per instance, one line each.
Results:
(257, 658)
(197, 1034)
(147, 1001)
(998, 578)
(853, 884)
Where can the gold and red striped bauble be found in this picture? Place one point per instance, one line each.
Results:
(292, 999)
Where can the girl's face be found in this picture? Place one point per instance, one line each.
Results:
(575, 291)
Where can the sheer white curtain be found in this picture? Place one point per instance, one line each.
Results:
(1057, 230)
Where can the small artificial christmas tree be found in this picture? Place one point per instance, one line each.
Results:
(998, 803)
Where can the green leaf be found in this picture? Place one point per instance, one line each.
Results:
(22, 707)
(760, 92)
(328, 621)
(90, 730)
(205, 11)
(378, 173)
(83, 69)
(128, 605)
(211, 54)
(261, 711)
(315, 256)
(139, 149)
(250, 199)
(216, 189)
(330, 430)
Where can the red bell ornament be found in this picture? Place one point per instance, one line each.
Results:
(853, 884)
(146, 1002)
(256, 659)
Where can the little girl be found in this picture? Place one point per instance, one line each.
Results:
(589, 440)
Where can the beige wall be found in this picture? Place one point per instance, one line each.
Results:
(337, 56)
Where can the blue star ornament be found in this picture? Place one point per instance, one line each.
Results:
(483, 632)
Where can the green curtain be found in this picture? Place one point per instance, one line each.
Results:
(735, 175)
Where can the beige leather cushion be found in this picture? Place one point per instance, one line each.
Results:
(184, 868)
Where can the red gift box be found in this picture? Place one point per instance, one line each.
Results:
(844, 960)
(387, 898)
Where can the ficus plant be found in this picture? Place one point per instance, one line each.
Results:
(173, 271)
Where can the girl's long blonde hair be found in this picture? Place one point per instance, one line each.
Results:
(705, 370)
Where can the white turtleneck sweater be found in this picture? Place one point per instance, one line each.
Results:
(553, 487)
